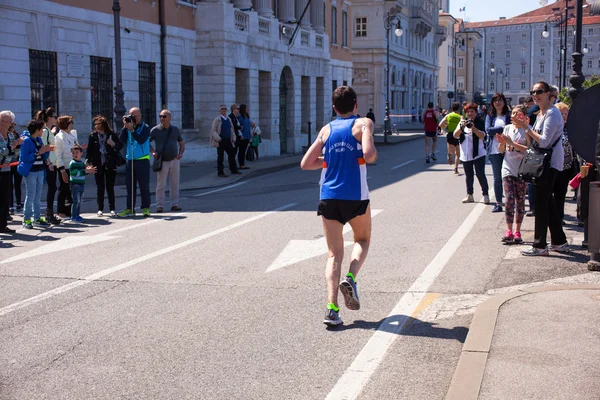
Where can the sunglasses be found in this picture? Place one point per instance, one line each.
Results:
(163, 116)
(537, 92)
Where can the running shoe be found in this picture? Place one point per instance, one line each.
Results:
(100, 213)
(468, 199)
(145, 212)
(563, 248)
(455, 171)
(427, 160)
(126, 213)
(348, 289)
(518, 239)
(432, 155)
(27, 224)
(508, 237)
(332, 317)
(534, 251)
(41, 222)
(113, 213)
(497, 208)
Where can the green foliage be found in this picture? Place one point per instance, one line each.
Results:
(588, 83)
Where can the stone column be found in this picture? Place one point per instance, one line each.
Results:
(243, 4)
(263, 7)
(317, 18)
(286, 10)
(300, 5)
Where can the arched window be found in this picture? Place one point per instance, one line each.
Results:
(424, 82)
(404, 78)
(394, 76)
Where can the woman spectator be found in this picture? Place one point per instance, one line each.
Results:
(103, 146)
(48, 116)
(569, 171)
(245, 133)
(471, 132)
(16, 178)
(64, 141)
(7, 156)
(32, 160)
(513, 143)
(495, 122)
(546, 134)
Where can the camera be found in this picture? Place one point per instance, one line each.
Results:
(129, 119)
(469, 123)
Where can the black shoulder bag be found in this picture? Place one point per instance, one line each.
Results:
(158, 160)
(536, 162)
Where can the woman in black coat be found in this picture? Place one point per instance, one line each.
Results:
(102, 153)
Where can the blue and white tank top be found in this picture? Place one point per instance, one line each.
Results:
(344, 174)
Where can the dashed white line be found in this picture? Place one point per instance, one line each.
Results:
(221, 189)
(403, 164)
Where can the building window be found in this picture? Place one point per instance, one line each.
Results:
(507, 38)
(590, 65)
(147, 88)
(507, 53)
(461, 84)
(523, 69)
(523, 85)
(334, 25)
(43, 80)
(506, 85)
(493, 39)
(492, 86)
(542, 69)
(598, 46)
(507, 70)
(523, 53)
(599, 63)
(187, 97)
(461, 62)
(590, 31)
(492, 54)
(334, 86)
(101, 82)
(361, 27)
(542, 52)
(344, 29)
(523, 36)
(569, 65)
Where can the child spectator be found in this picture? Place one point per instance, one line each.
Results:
(255, 140)
(77, 171)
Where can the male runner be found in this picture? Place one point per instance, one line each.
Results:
(430, 123)
(342, 149)
(449, 123)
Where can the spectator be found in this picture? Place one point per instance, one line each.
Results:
(103, 153)
(471, 132)
(514, 143)
(255, 140)
(168, 139)
(547, 134)
(136, 136)
(64, 140)
(48, 116)
(430, 126)
(32, 161)
(449, 123)
(371, 115)
(244, 134)
(495, 122)
(7, 156)
(77, 171)
(235, 112)
(561, 186)
(16, 178)
(528, 103)
(222, 136)
(413, 112)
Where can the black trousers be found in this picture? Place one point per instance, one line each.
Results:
(546, 213)
(105, 182)
(479, 166)
(51, 177)
(16, 180)
(225, 146)
(141, 177)
(561, 187)
(64, 201)
(242, 147)
(5, 195)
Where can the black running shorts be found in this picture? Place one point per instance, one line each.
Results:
(342, 210)
(431, 134)
(452, 140)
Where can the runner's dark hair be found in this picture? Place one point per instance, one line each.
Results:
(455, 106)
(344, 99)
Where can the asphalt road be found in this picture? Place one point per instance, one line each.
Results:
(181, 306)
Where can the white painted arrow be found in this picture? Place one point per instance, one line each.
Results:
(66, 243)
(300, 250)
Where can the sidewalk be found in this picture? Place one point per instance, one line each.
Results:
(535, 343)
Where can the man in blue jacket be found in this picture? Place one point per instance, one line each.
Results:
(135, 136)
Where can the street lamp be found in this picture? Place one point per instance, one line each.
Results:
(119, 94)
(389, 21)
(476, 52)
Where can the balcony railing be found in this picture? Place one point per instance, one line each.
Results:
(242, 21)
(264, 26)
(319, 41)
(304, 38)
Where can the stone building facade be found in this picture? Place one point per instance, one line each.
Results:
(447, 62)
(59, 53)
(413, 55)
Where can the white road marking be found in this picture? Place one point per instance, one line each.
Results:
(403, 164)
(91, 278)
(364, 365)
(153, 204)
(221, 189)
(300, 250)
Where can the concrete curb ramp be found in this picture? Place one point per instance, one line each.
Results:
(469, 372)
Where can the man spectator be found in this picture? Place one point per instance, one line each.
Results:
(169, 147)
(222, 136)
(7, 156)
(528, 103)
(237, 126)
(135, 136)
(370, 115)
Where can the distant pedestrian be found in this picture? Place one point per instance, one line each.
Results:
(449, 124)
(77, 171)
(64, 140)
(413, 113)
(170, 148)
(222, 136)
(342, 149)
(244, 135)
(371, 115)
(495, 122)
(430, 125)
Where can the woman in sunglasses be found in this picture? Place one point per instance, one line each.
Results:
(546, 134)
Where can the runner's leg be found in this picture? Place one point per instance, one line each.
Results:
(361, 226)
(335, 245)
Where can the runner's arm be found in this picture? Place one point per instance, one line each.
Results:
(313, 158)
(368, 141)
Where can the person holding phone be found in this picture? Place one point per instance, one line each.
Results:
(48, 116)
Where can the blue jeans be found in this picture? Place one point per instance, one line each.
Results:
(77, 194)
(479, 166)
(34, 183)
(496, 161)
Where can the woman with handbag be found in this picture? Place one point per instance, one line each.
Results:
(103, 153)
(495, 122)
(546, 137)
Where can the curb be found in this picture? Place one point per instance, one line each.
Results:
(468, 375)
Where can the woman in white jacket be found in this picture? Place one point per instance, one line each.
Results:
(64, 140)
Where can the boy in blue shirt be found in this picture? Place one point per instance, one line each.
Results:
(77, 171)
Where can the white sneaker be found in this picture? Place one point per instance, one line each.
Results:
(563, 248)
(468, 199)
(486, 199)
(113, 213)
(100, 213)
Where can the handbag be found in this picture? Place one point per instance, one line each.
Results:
(536, 163)
(158, 160)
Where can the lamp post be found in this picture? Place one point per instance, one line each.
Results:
(119, 94)
(390, 19)
(476, 52)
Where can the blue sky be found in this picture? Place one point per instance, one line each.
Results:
(478, 10)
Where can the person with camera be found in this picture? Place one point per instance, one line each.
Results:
(495, 122)
(470, 132)
(102, 153)
(135, 136)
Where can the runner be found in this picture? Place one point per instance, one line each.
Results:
(430, 123)
(449, 123)
(342, 149)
